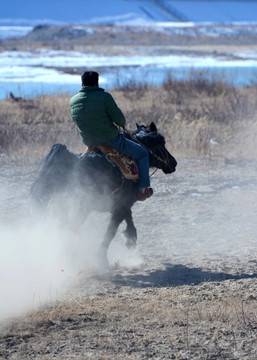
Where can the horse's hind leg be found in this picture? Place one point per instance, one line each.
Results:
(75, 211)
(130, 232)
(117, 217)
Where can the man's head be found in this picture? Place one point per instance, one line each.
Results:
(90, 78)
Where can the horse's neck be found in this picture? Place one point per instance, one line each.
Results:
(136, 137)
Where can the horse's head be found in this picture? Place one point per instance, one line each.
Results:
(155, 143)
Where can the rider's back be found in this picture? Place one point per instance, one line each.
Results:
(94, 111)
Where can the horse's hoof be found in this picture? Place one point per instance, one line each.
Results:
(131, 238)
(131, 243)
(102, 260)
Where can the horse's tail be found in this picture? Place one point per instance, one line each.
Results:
(55, 173)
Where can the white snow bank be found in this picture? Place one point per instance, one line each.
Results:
(14, 31)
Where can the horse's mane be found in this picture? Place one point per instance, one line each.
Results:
(149, 136)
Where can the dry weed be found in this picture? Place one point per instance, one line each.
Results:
(208, 321)
(199, 117)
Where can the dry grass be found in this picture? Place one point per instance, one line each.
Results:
(198, 117)
(195, 114)
(32, 126)
(208, 321)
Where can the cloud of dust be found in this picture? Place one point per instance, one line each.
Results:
(40, 258)
(32, 261)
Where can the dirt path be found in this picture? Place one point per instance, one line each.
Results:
(187, 292)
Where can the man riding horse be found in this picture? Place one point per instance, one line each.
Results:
(98, 117)
(100, 186)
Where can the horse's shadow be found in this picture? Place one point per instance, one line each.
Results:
(175, 275)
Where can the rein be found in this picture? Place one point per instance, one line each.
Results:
(165, 161)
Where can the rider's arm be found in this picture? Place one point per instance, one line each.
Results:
(114, 111)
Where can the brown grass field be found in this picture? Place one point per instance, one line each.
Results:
(200, 308)
(193, 114)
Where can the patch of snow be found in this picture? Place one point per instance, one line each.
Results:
(85, 29)
(59, 58)
(213, 142)
(14, 31)
(35, 74)
(126, 19)
(247, 54)
(29, 22)
(175, 24)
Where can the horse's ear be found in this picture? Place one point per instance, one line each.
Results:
(137, 125)
(153, 127)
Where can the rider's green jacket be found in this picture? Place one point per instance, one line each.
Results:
(96, 115)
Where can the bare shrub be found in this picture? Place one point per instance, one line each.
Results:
(36, 123)
(133, 89)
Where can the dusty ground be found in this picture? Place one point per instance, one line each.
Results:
(188, 291)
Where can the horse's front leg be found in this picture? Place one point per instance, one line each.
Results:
(130, 232)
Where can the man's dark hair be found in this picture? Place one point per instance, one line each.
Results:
(89, 78)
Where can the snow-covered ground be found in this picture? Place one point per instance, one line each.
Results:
(28, 71)
(35, 64)
(14, 31)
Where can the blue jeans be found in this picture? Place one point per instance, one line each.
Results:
(135, 151)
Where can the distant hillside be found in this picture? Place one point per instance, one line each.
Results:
(77, 37)
(29, 12)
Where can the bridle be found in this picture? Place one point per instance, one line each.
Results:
(165, 157)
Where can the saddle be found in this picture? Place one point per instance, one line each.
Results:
(125, 164)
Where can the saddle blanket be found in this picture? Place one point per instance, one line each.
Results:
(126, 165)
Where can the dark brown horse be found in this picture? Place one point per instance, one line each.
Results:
(95, 184)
